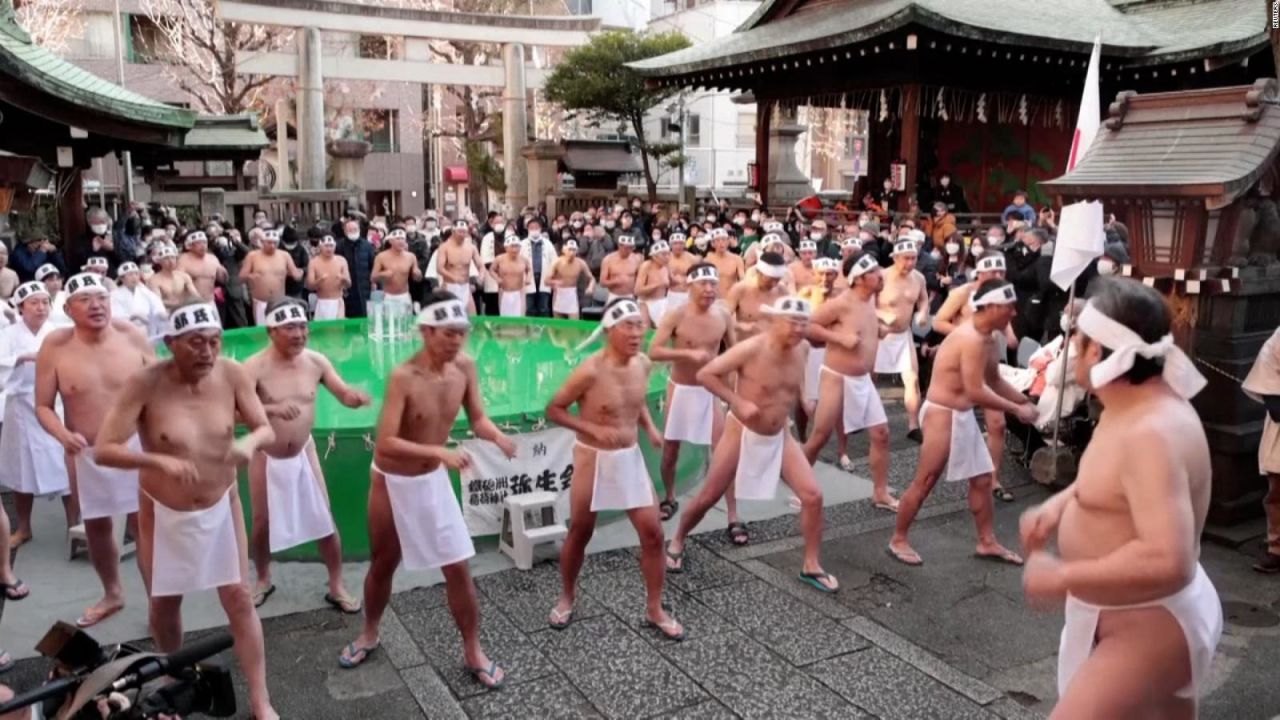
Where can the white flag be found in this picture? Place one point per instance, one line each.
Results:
(1087, 121)
(1080, 240)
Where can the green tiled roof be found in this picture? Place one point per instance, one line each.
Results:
(226, 132)
(46, 72)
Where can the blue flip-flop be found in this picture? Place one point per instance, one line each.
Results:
(491, 671)
(815, 579)
(348, 660)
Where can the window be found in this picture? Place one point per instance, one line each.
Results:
(578, 7)
(378, 47)
(664, 127)
(693, 133)
(144, 40)
(746, 130)
(380, 129)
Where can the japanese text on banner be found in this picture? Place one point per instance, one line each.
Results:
(543, 463)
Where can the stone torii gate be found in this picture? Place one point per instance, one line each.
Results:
(311, 66)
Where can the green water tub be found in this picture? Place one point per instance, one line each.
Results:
(521, 363)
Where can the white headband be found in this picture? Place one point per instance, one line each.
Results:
(166, 251)
(659, 247)
(1125, 346)
(85, 283)
(905, 247)
(622, 311)
(788, 307)
(46, 270)
(95, 261)
(272, 235)
(719, 233)
(626, 241)
(194, 237)
(445, 314)
(328, 240)
(864, 265)
(991, 264)
(397, 233)
(571, 245)
(1002, 295)
(286, 314)
(773, 226)
(773, 239)
(27, 290)
(824, 264)
(774, 271)
(852, 242)
(202, 316)
(510, 240)
(126, 268)
(706, 273)
(462, 225)
(678, 238)
(808, 245)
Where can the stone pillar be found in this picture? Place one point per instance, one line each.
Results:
(310, 125)
(213, 201)
(542, 160)
(786, 184)
(284, 171)
(514, 128)
(348, 163)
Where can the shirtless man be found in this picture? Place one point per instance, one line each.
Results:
(395, 267)
(904, 291)
(756, 448)
(174, 286)
(955, 310)
(965, 375)
(1142, 618)
(412, 510)
(87, 366)
(847, 396)
(265, 270)
(204, 269)
(678, 268)
(772, 241)
(566, 273)
(192, 526)
(290, 498)
(730, 266)
(653, 282)
(800, 273)
(619, 269)
(696, 331)
(329, 277)
(514, 273)
(457, 259)
(609, 471)
(100, 266)
(825, 271)
(746, 299)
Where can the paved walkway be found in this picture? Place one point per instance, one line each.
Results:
(949, 640)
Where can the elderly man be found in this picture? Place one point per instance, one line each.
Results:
(457, 261)
(537, 249)
(1263, 385)
(265, 270)
(619, 269)
(174, 286)
(903, 298)
(565, 277)
(192, 535)
(329, 277)
(204, 269)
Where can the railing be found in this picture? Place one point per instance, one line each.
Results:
(307, 206)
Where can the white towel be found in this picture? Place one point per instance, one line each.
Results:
(676, 299)
(296, 506)
(461, 291)
(31, 461)
(893, 357)
(968, 457)
(194, 550)
(621, 480)
(103, 491)
(862, 406)
(565, 301)
(260, 312)
(759, 464)
(428, 520)
(813, 373)
(328, 309)
(657, 308)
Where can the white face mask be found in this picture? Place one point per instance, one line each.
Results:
(977, 250)
(353, 235)
(755, 217)
(98, 229)
(1106, 267)
(711, 218)
(701, 242)
(953, 248)
(815, 235)
(499, 228)
(944, 181)
(608, 224)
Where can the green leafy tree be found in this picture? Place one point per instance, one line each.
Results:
(594, 79)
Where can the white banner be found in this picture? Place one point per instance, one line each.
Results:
(543, 463)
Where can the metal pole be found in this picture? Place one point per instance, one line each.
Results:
(1062, 377)
(126, 157)
(684, 158)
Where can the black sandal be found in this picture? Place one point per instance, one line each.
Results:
(1002, 495)
(738, 533)
(668, 509)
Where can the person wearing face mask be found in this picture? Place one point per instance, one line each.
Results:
(540, 253)
(491, 246)
(34, 252)
(1029, 274)
(887, 197)
(827, 247)
(359, 254)
(950, 193)
(942, 224)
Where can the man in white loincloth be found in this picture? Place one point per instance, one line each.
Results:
(903, 291)
(965, 376)
(457, 260)
(287, 486)
(652, 283)
(828, 274)
(747, 299)
(729, 265)
(395, 267)
(413, 513)
(514, 275)
(609, 388)
(955, 310)
(192, 535)
(565, 276)
(31, 461)
(174, 286)
(100, 266)
(265, 270)
(1142, 617)
(1263, 385)
(619, 268)
(800, 273)
(87, 366)
(49, 275)
(678, 268)
(329, 277)
(697, 331)
(132, 300)
(847, 396)
(756, 448)
(205, 270)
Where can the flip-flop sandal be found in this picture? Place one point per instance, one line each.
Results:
(886, 506)
(89, 619)
(1002, 495)
(1008, 557)
(560, 620)
(668, 629)
(14, 544)
(476, 672)
(15, 592)
(738, 534)
(677, 558)
(6, 662)
(846, 464)
(815, 579)
(905, 557)
(346, 604)
(348, 660)
(668, 509)
(261, 595)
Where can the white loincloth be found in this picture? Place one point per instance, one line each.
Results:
(511, 303)
(565, 301)
(428, 520)
(296, 504)
(260, 312)
(621, 480)
(1196, 607)
(677, 299)
(31, 460)
(657, 308)
(690, 414)
(893, 357)
(461, 291)
(1268, 448)
(862, 406)
(401, 298)
(194, 550)
(813, 374)
(759, 463)
(103, 491)
(968, 457)
(328, 309)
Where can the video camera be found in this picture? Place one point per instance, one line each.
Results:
(85, 673)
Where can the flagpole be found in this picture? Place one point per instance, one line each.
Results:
(1062, 376)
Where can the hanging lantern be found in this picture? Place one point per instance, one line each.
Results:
(884, 105)
(1022, 109)
(982, 108)
(942, 104)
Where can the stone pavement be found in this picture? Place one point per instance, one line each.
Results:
(949, 640)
